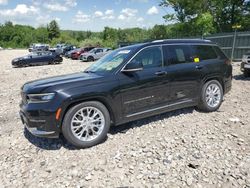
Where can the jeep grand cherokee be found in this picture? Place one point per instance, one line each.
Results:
(128, 84)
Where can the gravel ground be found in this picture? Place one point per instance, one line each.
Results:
(184, 148)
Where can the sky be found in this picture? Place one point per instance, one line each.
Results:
(91, 15)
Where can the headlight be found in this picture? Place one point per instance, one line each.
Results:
(39, 98)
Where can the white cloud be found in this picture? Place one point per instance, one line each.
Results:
(71, 3)
(121, 17)
(80, 17)
(129, 12)
(141, 19)
(3, 2)
(98, 14)
(109, 12)
(109, 15)
(20, 11)
(152, 10)
(56, 6)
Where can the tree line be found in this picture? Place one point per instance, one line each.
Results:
(189, 19)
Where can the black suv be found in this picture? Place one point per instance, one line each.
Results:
(129, 83)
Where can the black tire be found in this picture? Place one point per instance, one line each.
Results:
(246, 73)
(203, 105)
(66, 126)
(23, 63)
(90, 58)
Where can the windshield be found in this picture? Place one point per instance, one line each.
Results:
(109, 62)
(92, 51)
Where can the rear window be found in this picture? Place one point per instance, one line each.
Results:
(205, 52)
(220, 53)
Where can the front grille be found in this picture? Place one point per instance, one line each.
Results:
(24, 97)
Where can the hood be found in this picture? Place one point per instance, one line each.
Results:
(62, 82)
(22, 57)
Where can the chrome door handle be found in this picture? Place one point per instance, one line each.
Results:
(161, 73)
(198, 67)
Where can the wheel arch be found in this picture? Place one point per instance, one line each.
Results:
(97, 99)
(217, 78)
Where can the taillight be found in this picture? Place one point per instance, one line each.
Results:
(228, 62)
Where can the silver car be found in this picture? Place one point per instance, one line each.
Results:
(95, 54)
(245, 64)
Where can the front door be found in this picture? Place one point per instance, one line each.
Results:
(146, 89)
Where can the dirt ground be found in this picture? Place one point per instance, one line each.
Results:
(184, 148)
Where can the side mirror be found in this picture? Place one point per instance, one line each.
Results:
(133, 67)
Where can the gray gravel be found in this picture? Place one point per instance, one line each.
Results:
(184, 148)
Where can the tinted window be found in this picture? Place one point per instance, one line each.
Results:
(99, 50)
(150, 57)
(205, 52)
(220, 53)
(176, 54)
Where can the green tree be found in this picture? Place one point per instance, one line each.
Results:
(158, 32)
(53, 30)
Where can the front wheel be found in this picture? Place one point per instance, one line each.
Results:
(90, 58)
(86, 124)
(211, 96)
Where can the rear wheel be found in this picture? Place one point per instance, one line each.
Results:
(86, 124)
(211, 96)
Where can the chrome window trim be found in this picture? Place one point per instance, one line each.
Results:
(161, 46)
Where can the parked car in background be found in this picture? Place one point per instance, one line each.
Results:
(77, 53)
(94, 54)
(68, 48)
(37, 58)
(127, 84)
(38, 47)
(68, 54)
(245, 64)
(58, 49)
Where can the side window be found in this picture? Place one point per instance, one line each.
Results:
(150, 57)
(205, 52)
(177, 54)
(99, 50)
(219, 52)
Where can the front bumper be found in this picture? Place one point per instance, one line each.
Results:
(39, 123)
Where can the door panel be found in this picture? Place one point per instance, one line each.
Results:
(184, 73)
(145, 89)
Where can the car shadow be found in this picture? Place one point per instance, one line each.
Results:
(142, 122)
(47, 143)
(58, 143)
(241, 77)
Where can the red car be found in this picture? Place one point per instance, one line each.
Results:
(76, 54)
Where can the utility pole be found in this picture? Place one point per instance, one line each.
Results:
(235, 27)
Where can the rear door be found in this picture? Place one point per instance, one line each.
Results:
(185, 72)
(98, 53)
